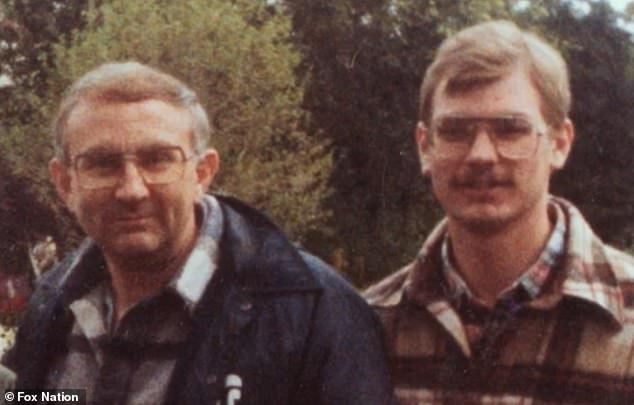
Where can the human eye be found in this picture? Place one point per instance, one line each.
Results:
(101, 163)
(512, 128)
(158, 158)
(454, 129)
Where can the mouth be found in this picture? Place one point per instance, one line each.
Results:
(482, 185)
(130, 217)
(482, 189)
(132, 221)
(480, 181)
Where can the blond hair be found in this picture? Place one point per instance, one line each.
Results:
(487, 52)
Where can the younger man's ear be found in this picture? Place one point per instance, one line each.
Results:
(562, 140)
(423, 146)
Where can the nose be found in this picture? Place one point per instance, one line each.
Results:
(483, 148)
(132, 186)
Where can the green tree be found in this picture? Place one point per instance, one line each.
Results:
(237, 57)
(28, 207)
(599, 172)
(364, 61)
(23, 221)
(28, 30)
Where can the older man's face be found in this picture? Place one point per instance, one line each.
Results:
(499, 173)
(140, 204)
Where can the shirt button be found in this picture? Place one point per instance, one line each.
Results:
(246, 306)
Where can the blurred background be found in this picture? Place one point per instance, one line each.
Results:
(313, 104)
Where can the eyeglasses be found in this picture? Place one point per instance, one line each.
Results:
(156, 165)
(513, 137)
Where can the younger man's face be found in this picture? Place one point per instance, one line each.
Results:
(479, 187)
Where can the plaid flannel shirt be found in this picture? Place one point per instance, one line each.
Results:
(572, 344)
(133, 363)
(483, 324)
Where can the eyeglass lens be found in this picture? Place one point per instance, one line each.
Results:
(514, 137)
(157, 165)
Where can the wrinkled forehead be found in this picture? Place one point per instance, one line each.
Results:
(126, 125)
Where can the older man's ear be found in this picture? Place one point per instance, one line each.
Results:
(60, 176)
(206, 169)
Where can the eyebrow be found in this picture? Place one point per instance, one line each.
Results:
(517, 115)
(112, 149)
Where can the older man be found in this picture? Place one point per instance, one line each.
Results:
(179, 297)
(512, 299)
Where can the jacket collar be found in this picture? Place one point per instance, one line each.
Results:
(263, 259)
(591, 268)
(261, 256)
(589, 274)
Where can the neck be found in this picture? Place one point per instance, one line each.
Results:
(134, 280)
(491, 262)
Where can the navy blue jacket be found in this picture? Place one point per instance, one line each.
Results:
(282, 324)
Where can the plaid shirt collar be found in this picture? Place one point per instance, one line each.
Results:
(202, 262)
(587, 274)
(189, 284)
(528, 286)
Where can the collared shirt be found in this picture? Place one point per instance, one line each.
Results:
(573, 343)
(480, 321)
(133, 363)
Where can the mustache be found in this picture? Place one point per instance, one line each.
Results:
(481, 179)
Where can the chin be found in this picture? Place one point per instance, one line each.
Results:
(484, 220)
(483, 226)
(133, 246)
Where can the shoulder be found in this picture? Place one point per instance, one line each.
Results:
(265, 259)
(65, 276)
(622, 264)
(622, 269)
(325, 275)
(45, 317)
(7, 378)
(47, 289)
(388, 291)
(337, 297)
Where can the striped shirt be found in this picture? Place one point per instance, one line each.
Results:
(133, 363)
(572, 343)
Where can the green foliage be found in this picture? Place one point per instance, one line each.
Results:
(28, 30)
(361, 89)
(599, 172)
(28, 207)
(237, 58)
(23, 220)
(357, 73)
(366, 60)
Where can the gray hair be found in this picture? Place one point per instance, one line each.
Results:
(129, 82)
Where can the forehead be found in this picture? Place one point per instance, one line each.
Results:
(513, 94)
(123, 126)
